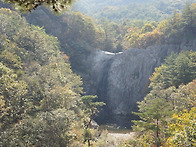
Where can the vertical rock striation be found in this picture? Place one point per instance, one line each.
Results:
(122, 79)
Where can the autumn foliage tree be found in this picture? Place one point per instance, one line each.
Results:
(172, 30)
(39, 94)
(183, 128)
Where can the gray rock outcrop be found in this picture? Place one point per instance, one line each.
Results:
(122, 79)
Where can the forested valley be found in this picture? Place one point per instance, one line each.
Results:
(65, 65)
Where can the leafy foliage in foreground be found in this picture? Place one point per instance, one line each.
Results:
(29, 5)
(40, 97)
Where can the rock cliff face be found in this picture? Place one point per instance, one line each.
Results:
(122, 79)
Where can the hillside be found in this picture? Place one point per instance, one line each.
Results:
(58, 71)
(40, 96)
(121, 10)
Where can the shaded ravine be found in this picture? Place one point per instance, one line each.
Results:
(103, 83)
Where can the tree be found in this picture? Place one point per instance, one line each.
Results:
(177, 69)
(184, 97)
(91, 109)
(50, 128)
(149, 27)
(187, 16)
(12, 97)
(183, 129)
(39, 94)
(157, 124)
(154, 112)
(29, 5)
(169, 96)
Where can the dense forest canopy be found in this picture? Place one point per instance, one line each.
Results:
(40, 97)
(120, 10)
(181, 26)
(42, 102)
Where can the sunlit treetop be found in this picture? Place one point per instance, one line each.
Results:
(29, 5)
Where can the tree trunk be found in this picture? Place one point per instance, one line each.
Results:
(157, 134)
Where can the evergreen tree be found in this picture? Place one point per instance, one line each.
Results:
(154, 112)
(178, 69)
(91, 109)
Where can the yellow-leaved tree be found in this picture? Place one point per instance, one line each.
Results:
(183, 129)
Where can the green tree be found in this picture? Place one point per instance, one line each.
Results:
(177, 69)
(39, 94)
(184, 97)
(12, 97)
(29, 5)
(91, 109)
(177, 101)
(154, 112)
(11, 22)
(187, 16)
(50, 128)
(81, 28)
(168, 96)
(147, 28)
